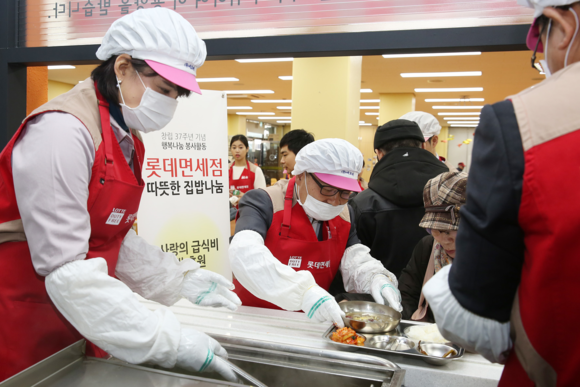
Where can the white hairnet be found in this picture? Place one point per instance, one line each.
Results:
(428, 124)
(157, 34)
(332, 156)
(539, 5)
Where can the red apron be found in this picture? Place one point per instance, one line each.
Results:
(32, 328)
(246, 181)
(292, 240)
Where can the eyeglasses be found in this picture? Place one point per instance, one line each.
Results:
(537, 66)
(328, 190)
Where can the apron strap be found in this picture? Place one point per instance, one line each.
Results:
(421, 311)
(285, 229)
(106, 130)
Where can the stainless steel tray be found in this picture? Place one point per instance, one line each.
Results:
(396, 342)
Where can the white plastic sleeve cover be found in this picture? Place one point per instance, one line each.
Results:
(264, 275)
(150, 272)
(485, 336)
(106, 312)
(358, 269)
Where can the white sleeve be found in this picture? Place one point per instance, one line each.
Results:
(488, 337)
(51, 164)
(358, 269)
(259, 179)
(106, 312)
(264, 275)
(150, 272)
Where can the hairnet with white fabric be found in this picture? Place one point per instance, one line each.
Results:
(336, 162)
(428, 124)
(161, 36)
(539, 5)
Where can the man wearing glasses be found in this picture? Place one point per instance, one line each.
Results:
(293, 238)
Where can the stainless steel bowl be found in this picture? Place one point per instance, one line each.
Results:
(388, 318)
(436, 352)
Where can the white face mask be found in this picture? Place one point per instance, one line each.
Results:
(153, 113)
(544, 62)
(319, 210)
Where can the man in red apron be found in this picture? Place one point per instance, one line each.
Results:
(292, 238)
(511, 293)
(71, 186)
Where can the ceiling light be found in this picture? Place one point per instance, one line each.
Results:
(365, 124)
(366, 91)
(240, 108)
(457, 107)
(248, 92)
(372, 114)
(463, 122)
(283, 122)
(284, 107)
(274, 118)
(265, 60)
(438, 75)
(272, 101)
(463, 126)
(61, 67)
(459, 114)
(286, 77)
(217, 79)
(430, 55)
(461, 118)
(368, 107)
(454, 100)
(447, 89)
(370, 100)
(361, 122)
(254, 114)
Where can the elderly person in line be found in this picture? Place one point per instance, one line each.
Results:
(443, 196)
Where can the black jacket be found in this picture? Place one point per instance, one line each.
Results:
(387, 215)
(411, 280)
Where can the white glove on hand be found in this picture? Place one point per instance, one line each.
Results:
(382, 289)
(196, 353)
(320, 306)
(206, 288)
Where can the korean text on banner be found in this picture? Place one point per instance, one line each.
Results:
(184, 208)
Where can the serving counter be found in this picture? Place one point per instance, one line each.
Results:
(278, 328)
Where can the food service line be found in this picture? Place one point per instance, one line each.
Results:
(283, 327)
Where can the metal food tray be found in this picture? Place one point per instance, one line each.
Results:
(398, 343)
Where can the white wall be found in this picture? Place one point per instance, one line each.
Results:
(457, 154)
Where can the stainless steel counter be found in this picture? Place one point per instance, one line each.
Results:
(293, 328)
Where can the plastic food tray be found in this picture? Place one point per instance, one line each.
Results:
(396, 342)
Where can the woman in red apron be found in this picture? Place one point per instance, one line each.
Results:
(71, 186)
(293, 237)
(244, 176)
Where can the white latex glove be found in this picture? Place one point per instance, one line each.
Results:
(320, 306)
(206, 288)
(197, 352)
(382, 289)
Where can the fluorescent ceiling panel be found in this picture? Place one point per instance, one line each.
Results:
(248, 92)
(431, 54)
(448, 89)
(442, 74)
(454, 100)
(61, 67)
(225, 79)
(240, 108)
(264, 60)
(254, 114)
(286, 77)
(457, 107)
(272, 101)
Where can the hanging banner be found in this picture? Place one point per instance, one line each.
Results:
(60, 22)
(184, 208)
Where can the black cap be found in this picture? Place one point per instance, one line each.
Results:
(397, 130)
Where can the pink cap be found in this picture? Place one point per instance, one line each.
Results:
(179, 77)
(340, 182)
(534, 36)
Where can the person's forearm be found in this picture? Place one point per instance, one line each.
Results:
(106, 312)
(264, 275)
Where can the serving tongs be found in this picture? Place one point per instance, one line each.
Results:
(243, 376)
